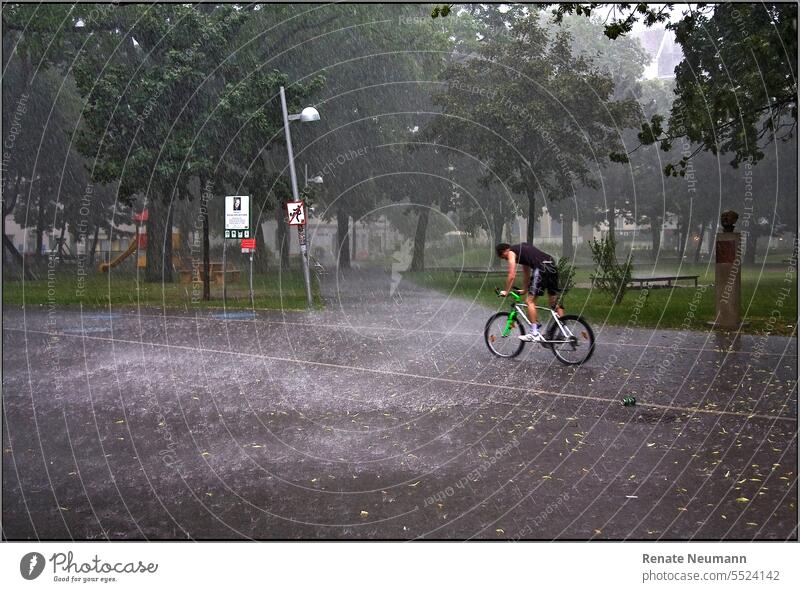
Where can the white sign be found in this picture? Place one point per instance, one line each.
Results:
(296, 210)
(237, 216)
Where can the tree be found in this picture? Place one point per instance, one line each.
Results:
(733, 93)
(374, 99)
(521, 106)
(166, 87)
(38, 166)
(736, 84)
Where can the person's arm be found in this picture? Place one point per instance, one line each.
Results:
(512, 272)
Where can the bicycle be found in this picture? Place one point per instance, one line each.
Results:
(570, 337)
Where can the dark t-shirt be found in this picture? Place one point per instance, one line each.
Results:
(529, 255)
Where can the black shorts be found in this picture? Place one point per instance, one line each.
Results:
(544, 278)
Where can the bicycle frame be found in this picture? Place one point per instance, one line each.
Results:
(519, 309)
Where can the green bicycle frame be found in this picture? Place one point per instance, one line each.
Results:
(513, 313)
(512, 316)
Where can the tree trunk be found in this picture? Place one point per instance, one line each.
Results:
(94, 246)
(12, 250)
(567, 248)
(40, 222)
(682, 236)
(260, 258)
(700, 242)
(159, 266)
(206, 246)
(531, 216)
(612, 218)
(168, 246)
(418, 258)
(61, 241)
(497, 228)
(655, 231)
(749, 257)
(343, 240)
(8, 245)
(354, 242)
(282, 237)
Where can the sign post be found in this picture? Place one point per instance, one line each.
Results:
(249, 246)
(296, 213)
(237, 226)
(301, 234)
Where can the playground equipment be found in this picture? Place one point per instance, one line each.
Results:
(120, 258)
(140, 244)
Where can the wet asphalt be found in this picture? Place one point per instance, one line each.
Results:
(384, 416)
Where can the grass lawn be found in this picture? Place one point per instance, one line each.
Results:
(665, 308)
(274, 290)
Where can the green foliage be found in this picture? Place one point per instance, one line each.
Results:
(518, 104)
(566, 275)
(611, 277)
(274, 290)
(623, 17)
(665, 309)
(442, 10)
(736, 88)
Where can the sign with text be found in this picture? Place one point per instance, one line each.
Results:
(248, 245)
(237, 216)
(296, 210)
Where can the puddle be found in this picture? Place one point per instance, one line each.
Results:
(234, 315)
(91, 329)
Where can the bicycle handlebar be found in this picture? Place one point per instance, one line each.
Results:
(515, 293)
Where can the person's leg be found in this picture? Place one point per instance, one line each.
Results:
(553, 302)
(550, 282)
(532, 316)
(533, 291)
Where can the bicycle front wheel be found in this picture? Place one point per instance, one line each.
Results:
(577, 345)
(502, 335)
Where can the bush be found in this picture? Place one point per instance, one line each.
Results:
(566, 275)
(611, 277)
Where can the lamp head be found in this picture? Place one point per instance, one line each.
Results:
(309, 114)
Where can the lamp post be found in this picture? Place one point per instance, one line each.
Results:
(308, 114)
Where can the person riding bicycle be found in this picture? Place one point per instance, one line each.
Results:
(540, 274)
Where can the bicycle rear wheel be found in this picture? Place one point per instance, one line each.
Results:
(502, 343)
(579, 344)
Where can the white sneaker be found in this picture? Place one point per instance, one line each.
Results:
(528, 337)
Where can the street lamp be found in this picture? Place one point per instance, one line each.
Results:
(317, 180)
(308, 114)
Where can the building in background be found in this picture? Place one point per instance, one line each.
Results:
(664, 52)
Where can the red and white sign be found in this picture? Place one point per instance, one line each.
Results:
(248, 245)
(296, 211)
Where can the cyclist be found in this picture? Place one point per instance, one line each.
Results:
(540, 274)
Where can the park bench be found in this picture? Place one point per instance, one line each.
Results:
(470, 271)
(653, 281)
(189, 275)
(479, 271)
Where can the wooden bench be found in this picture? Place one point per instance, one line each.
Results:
(470, 271)
(660, 279)
(652, 281)
(476, 272)
(188, 276)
